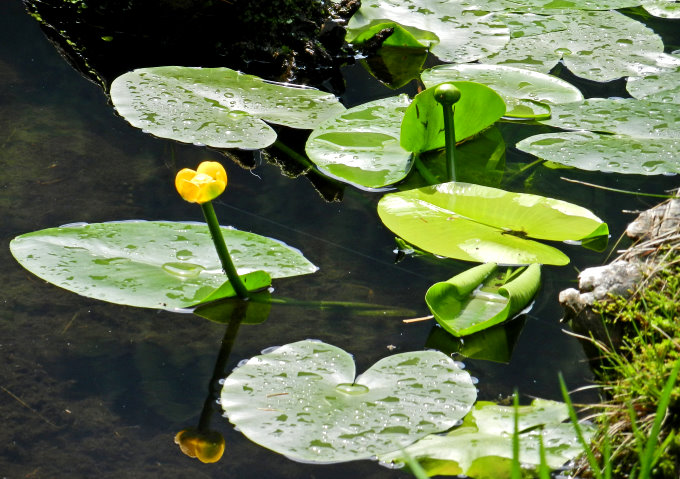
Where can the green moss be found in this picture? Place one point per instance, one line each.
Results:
(634, 375)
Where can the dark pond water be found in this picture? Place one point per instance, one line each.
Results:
(90, 389)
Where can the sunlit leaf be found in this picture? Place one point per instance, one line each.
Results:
(514, 85)
(482, 446)
(663, 87)
(579, 4)
(465, 34)
(662, 8)
(482, 224)
(302, 400)
(478, 299)
(361, 146)
(216, 106)
(628, 136)
(597, 45)
(151, 264)
(422, 128)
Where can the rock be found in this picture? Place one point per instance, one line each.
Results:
(660, 221)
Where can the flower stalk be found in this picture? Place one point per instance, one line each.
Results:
(447, 94)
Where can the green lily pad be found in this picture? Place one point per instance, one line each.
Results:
(395, 66)
(422, 128)
(361, 145)
(628, 136)
(662, 8)
(523, 91)
(303, 401)
(152, 264)
(217, 107)
(482, 224)
(465, 34)
(462, 307)
(596, 45)
(580, 4)
(663, 87)
(482, 446)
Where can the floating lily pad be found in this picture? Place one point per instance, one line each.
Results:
(662, 8)
(482, 446)
(422, 128)
(524, 92)
(478, 298)
(580, 4)
(152, 264)
(482, 224)
(361, 146)
(663, 87)
(597, 45)
(464, 33)
(216, 106)
(302, 400)
(629, 136)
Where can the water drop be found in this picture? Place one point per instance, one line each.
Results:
(183, 270)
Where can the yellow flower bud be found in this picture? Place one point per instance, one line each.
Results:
(206, 446)
(204, 184)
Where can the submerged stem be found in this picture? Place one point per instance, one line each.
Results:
(222, 251)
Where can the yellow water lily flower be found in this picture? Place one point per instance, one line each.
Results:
(204, 184)
(206, 446)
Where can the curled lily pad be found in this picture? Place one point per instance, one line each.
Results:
(361, 145)
(302, 400)
(422, 128)
(216, 106)
(627, 136)
(478, 299)
(597, 45)
(524, 92)
(152, 264)
(482, 446)
(482, 224)
(465, 34)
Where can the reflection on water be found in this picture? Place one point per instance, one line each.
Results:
(94, 388)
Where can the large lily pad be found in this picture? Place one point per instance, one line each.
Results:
(478, 298)
(422, 128)
(482, 446)
(580, 4)
(597, 45)
(361, 146)
(524, 92)
(152, 264)
(464, 33)
(216, 106)
(303, 400)
(482, 224)
(662, 8)
(628, 136)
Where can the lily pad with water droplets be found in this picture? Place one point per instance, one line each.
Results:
(477, 223)
(662, 8)
(303, 401)
(525, 92)
(663, 87)
(152, 264)
(626, 136)
(465, 33)
(217, 107)
(361, 145)
(596, 45)
(482, 446)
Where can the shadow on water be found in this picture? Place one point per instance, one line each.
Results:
(89, 388)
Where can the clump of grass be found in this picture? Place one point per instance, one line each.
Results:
(639, 433)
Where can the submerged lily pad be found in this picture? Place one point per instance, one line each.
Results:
(478, 299)
(302, 400)
(628, 136)
(422, 128)
(217, 107)
(482, 446)
(482, 224)
(523, 91)
(152, 264)
(464, 34)
(597, 45)
(361, 146)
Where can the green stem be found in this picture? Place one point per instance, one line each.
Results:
(450, 141)
(222, 251)
(293, 154)
(425, 171)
